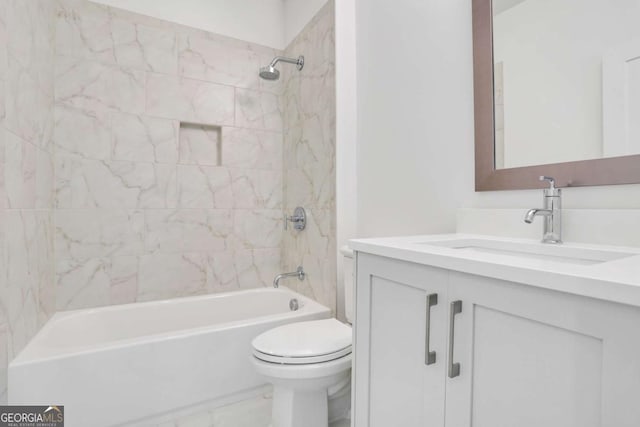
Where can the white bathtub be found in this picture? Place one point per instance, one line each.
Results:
(129, 363)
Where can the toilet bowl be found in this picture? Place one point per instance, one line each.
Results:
(307, 363)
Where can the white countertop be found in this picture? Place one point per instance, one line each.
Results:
(616, 281)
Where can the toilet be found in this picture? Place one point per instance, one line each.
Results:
(309, 366)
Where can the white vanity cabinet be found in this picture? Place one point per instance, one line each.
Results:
(400, 308)
(528, 357)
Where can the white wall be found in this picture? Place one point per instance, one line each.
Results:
(500, 6)
(346, 135)
(415, 123)
(256, 21)
(273, 23)
(297, 13)
(415, 138)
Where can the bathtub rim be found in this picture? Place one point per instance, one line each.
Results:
(25, 357)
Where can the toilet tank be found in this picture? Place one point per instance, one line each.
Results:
(349, 282)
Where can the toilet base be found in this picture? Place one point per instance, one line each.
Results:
(299, 408)
(301, 392)
(340, 401)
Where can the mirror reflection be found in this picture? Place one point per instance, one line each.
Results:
(567, 80)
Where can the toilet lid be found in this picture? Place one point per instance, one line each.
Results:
(309, 342)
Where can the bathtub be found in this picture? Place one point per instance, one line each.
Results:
(122, 365)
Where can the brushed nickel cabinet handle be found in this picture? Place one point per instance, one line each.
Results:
(456, 308)
(429, 356)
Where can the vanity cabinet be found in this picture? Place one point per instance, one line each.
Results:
(403, 307)
(528, 357)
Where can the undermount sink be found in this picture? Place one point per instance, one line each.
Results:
(556, 253)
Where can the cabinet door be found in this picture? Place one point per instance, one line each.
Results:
(395, 383)
(530, 358)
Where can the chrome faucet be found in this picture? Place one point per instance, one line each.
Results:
(299, 273)
(551, 212)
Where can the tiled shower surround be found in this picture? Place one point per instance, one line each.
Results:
(27, 295)
(309, 157)
(168, 160)
(147, 160)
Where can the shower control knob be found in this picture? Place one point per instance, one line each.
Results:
(299, 219)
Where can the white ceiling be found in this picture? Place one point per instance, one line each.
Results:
(500, 6)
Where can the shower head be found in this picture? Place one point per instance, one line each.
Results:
(270, 72)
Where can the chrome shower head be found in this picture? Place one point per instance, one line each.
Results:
(270, 72)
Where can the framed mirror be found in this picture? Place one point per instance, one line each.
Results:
(557, 92)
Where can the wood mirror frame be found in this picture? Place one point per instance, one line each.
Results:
(608, 171)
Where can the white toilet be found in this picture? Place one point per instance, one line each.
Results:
(309, 366)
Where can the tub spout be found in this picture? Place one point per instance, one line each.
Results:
(298, 273)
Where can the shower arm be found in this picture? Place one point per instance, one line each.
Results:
(297, 61)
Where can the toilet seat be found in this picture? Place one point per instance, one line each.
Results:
(303, 343)
(301, 360)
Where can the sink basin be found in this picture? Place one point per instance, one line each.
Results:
(556, 253)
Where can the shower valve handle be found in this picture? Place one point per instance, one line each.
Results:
(299, 219)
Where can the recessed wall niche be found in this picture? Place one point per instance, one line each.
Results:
(200, 144)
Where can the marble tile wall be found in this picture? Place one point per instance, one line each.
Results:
(309, 160)
(168, 164)
(26, 174)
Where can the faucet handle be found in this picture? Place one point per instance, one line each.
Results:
(552, 190)
(299, 219)
(552, 181)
